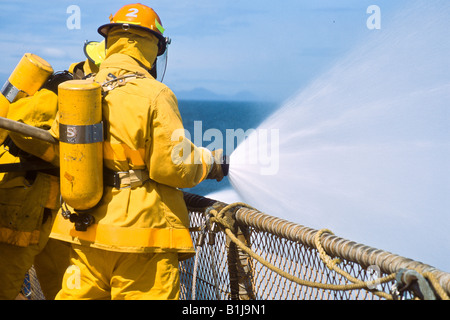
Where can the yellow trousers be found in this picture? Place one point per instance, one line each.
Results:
(50, 266)
(102, 275)
(15, 261)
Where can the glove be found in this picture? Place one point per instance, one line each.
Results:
(220, 166)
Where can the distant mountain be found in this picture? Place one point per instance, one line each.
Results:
(205, 94)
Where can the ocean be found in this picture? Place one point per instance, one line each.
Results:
(221, 116)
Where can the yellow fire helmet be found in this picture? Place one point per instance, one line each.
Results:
(95, 51)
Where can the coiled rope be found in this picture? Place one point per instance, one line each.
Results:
(218, 216)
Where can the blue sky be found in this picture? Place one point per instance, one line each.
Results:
(271, 49)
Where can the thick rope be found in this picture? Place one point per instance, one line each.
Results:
(435, 283)
(218, 218)
(330, 263)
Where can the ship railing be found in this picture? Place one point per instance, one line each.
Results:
(245, 254)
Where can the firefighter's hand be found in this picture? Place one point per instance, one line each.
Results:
(219, 167)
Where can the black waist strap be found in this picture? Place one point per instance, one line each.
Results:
(111, 178)
(33, 165)
(125, 179)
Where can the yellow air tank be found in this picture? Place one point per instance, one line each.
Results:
(27, 77)
(81, 136)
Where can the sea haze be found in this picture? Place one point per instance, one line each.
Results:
(220, 115)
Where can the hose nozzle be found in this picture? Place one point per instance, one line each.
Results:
(225, 164)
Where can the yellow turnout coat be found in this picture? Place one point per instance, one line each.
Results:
(144, 130)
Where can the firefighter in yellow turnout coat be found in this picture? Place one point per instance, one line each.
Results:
(141, 228)
(29, 194)
(28, 202)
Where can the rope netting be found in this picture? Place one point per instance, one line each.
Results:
(244, 254)
(262, 257)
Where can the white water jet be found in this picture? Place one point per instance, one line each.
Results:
(365, 149)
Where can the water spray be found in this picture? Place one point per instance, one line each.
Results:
(364, 149)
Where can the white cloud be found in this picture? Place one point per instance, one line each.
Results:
(54, 52)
